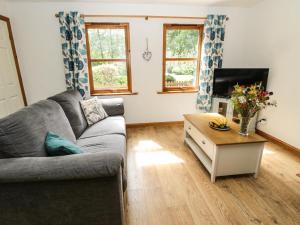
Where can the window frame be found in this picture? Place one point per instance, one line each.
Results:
(109, 91)
(182, 89)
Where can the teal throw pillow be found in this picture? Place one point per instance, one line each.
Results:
(57, 146)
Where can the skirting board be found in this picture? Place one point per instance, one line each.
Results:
(278, 142)
(168, 123)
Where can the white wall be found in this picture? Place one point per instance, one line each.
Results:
(37, 39)
(273, 41)
(3, 8)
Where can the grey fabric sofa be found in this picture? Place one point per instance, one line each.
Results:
(82, 189)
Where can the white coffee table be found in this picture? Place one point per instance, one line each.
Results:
(223, 152)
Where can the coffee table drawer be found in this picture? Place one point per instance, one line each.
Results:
(188, 127)
(200, 139)
(203, 142)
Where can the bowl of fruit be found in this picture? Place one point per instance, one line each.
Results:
(219, 123)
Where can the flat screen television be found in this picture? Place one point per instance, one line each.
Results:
(225, 79)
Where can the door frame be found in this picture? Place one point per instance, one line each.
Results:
(6, 19)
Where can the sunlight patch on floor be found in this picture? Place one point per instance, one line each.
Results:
(147, 145)
(156, 158)
(267, 151)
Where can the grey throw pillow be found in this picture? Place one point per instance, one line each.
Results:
(93, 110)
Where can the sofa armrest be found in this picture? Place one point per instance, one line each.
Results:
(113, 106)
(69, 167)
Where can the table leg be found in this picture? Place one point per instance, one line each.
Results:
(214, 165)
(259, 160)
(213, 178)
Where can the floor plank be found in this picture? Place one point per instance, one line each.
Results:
(167, 185)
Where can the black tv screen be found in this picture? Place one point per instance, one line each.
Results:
(225, 79)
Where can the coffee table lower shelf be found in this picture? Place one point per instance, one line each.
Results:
(206, 161)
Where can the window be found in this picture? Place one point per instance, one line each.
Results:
(108, 58)
(181, 57)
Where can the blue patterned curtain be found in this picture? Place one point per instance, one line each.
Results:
(74, 51)
(211, 58)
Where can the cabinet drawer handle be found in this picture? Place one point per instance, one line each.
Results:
(203, 142)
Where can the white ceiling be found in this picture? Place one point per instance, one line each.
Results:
(237, 3)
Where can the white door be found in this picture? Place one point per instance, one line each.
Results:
(11, 98)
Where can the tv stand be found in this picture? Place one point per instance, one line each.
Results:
(224, 107)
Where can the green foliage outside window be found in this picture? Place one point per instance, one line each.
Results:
(108, 44)
(109, 75)
(181, 43)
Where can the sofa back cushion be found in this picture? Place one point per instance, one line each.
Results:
(113, 106)
(23, 133)
(70, 102)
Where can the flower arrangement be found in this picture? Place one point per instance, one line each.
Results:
(247, 101)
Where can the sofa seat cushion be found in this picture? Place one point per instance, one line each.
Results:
(110, 125)
(106, 143)
(110, 143)
(23, 133)
(69, 101)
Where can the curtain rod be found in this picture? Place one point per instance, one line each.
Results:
(145, 16)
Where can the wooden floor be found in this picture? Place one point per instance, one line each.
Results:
(167, 185)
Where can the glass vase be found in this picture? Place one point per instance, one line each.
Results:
(244, 125)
